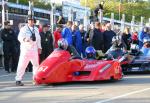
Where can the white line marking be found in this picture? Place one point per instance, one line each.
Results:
(6, 75)
(121, 96)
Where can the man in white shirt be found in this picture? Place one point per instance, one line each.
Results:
(30, 48)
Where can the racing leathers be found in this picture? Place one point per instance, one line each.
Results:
(28, 50)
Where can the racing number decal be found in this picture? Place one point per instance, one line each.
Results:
(42, 68)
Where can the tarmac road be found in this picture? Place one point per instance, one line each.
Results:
(132, 89)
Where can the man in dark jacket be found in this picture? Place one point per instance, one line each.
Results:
(9, 47)
(96, 37)
(46, 42)
(83, 35)
(108, 35)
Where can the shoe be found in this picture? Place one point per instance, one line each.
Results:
(34, 83)
(8, 71)
(19, 83)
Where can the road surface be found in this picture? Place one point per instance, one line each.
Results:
(131, 89)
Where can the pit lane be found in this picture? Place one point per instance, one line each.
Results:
(131, 89)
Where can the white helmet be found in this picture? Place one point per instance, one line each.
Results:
(63, 44)
(116, 39)
(135, 47)
(146, 40)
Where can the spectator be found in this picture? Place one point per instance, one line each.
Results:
(87, 35)
(57, 35)
(103, 27)
(40, 28)
(76, 38)
(83, 33)
(67, 33)
(108, 35)
(97, 38)
(126, 37)
(141, 36)
(9, 47)
(135, 38)
(61, 20)
(30, 47)
(46, 42)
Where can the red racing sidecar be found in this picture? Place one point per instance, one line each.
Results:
(58, 68)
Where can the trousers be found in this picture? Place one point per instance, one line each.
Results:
(24, 60)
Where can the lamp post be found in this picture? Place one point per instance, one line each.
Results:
(132, 23)
(52, 15)
(4, 8)
(101, 11)
(85, 16)
(120, 9)
(3, 13)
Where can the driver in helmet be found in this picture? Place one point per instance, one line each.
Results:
(63, 45)
(93, 54)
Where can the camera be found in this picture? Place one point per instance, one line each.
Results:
(33, 37)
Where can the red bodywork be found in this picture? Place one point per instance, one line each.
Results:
(59, 68)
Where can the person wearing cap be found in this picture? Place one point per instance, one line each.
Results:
(9, 46)
(30, 48)
(46, 42)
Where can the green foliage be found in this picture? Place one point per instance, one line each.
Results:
(36, 3)
(137, 9)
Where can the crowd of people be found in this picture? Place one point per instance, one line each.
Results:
(31, 45)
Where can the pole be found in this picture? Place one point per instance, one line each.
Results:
(7, 17)
(122, 22)
(70, 14)
(3, 13)
(132, 23)
(100, 15)
(119, 9)
(112, 21)
(142, 22)
(52, 17)
(149, 22)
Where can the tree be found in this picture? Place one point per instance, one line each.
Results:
(37, 3)
(137, 9)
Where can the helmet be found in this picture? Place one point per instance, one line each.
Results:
(146, 40)
(63, 44)
(135, 47)
(116, 40)
(90, 52)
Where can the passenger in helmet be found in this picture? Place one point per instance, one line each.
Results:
(118, 47)
(90, 53)
(63, 45)
(135, 50)
(146, 46)
(146, 42)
